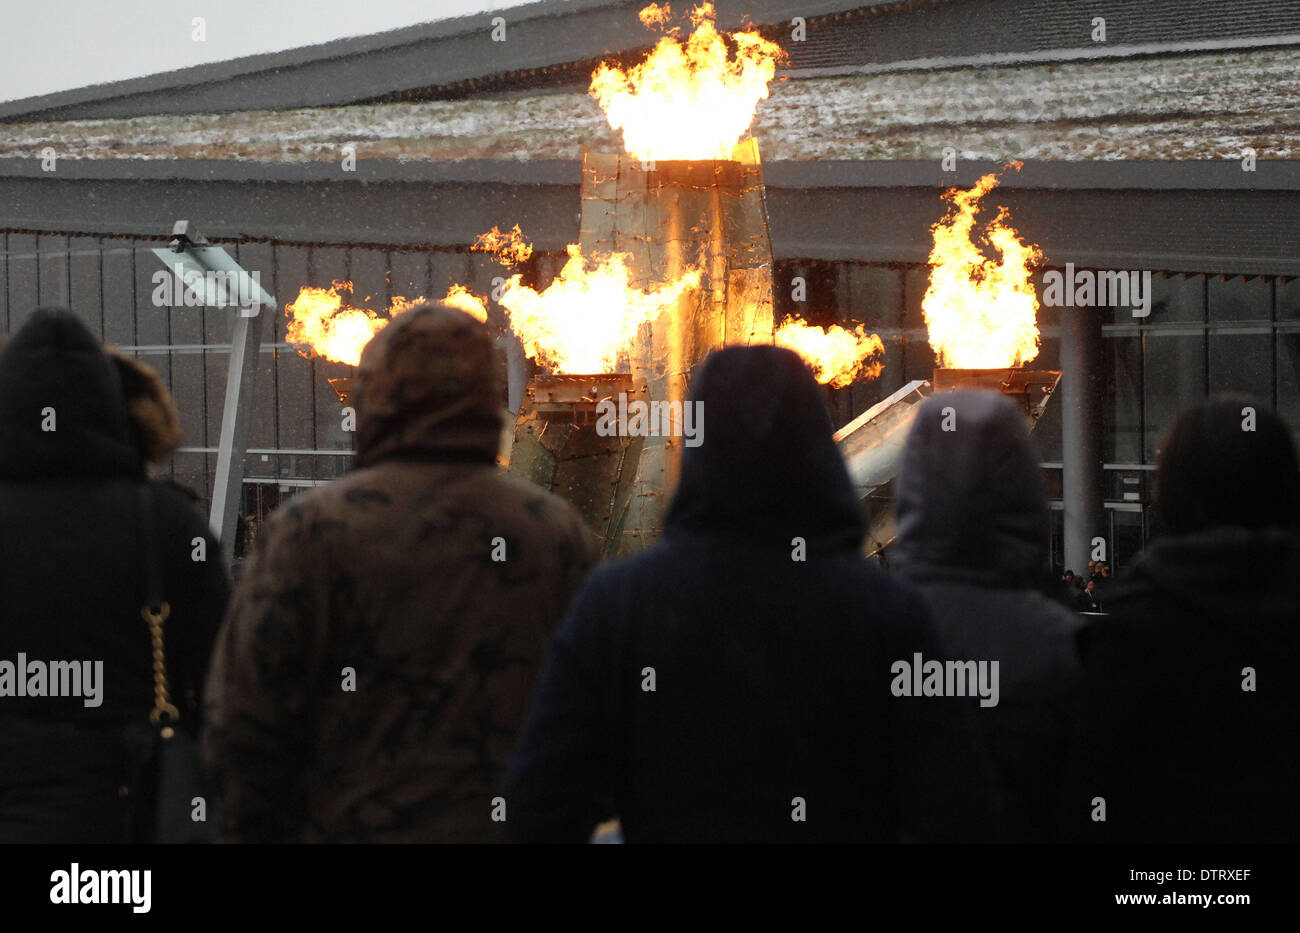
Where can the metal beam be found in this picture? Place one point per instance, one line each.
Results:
(209, 272)
(241, 380)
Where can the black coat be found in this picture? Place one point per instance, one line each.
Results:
(1165, 732)
(71, 576)
(771, 676)
(972, 536)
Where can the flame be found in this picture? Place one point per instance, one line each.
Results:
(589, 314)
(321, 324)
(509, 248)
(980, 312)
(691, 100)
(656, 15)
(458, 296)
(836, 356)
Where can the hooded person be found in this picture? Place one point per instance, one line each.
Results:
(973, 537)
(732, 683)
(385, 637)
(72, 571)
(1186, 723)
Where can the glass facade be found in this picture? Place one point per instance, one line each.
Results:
(1203, 334)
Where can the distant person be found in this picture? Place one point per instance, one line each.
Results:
(1068, 590)
(387, 631)
(77, 428)
(733, 683)
(1187, 722)
(1092, 597)
(973, 537)
(1081, 600)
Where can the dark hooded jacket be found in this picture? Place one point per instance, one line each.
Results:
(1173, 732)
(72, 579)
(1187, 721)
(972, 535)
(733, 682)
(387, 632)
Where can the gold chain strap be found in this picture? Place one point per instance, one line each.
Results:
(162, 705)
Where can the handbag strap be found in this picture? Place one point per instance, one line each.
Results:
(155, 612)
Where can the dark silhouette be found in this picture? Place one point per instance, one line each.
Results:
(430, 577)
(972, 535)
(733, 683)
(76, 430)
(1187, 720)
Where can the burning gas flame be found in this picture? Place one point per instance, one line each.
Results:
(980, 312)
(692, 99)
(837, 357)
(656, 15)
(589, 314)
(586, 317)
(322, 324)
(510, 248)
(458, 296)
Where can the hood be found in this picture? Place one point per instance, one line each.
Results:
(1228, 571)
(54, 374)
(970, 502)
(155, 422)
(767, 467)
(429, 387)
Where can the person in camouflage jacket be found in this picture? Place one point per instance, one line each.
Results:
(385, 639)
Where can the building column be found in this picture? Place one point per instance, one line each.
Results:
(1083, 480)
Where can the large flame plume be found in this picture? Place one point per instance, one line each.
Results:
(692, 99)
(836, 356)
(322, 323)
(589, 314)
(980, 312)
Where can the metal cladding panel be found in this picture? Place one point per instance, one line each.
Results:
(872, 444)
(555, 445)
(670, 217)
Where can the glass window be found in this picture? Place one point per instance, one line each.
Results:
(1126, 539)
(1243, 363)
(1174, 377)
(1174, 298)
(1288, 300)
(1288, 378)
(1122, 421)
(1235, 300)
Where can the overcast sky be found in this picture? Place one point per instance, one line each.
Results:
(55, 45)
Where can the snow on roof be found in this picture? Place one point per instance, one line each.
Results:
(1191, 106)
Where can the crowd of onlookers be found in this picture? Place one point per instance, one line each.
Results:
(429, 647)
(1087, 592)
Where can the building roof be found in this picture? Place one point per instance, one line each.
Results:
(1193, 106)
(554, 44)
(446, 58)
(1133, 148)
